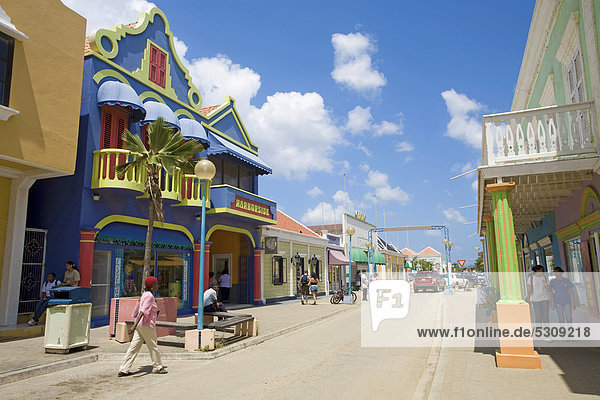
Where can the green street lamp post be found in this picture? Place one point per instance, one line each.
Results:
(204, 171)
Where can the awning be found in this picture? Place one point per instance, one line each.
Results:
(359, 255)
(336, 257)
(219, 145)
(117, 93)
(192, 129)
(155, 110)
(378, 258)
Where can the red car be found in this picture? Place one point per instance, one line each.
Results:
(429, 280)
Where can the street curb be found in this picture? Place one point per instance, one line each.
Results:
(30, 372)
(224, 350)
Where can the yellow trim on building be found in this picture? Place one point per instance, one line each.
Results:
(185, 112)
(115, 34)
(151, 95)
(144, 222)
(230, 229)
(109, 73)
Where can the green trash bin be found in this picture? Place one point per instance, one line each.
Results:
(67, 327)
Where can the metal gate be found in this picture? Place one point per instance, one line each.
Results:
(34, 258)
(244, 272)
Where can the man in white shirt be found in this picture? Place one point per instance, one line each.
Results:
(50, 282)
(539, 294)
(211, 304)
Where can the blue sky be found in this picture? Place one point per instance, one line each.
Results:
(390, 94)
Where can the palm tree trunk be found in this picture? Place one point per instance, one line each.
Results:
(148, 249)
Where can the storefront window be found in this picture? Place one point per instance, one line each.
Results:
(549, 258)
(279, 270)
(575, 269)
(132, 272)
(170, 275)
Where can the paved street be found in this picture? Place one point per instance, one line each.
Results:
(326, 360)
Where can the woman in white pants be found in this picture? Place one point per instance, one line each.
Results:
(144, 331)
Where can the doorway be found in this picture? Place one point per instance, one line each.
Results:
(100, 292)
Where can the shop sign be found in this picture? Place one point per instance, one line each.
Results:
(360, 216)
(251, 207)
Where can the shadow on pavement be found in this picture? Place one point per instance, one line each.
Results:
(580, 366)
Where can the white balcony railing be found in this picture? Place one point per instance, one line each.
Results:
(540, 133)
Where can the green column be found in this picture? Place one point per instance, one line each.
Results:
(506, 249)
(491, 250)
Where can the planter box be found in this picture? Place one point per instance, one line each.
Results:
(121, 309)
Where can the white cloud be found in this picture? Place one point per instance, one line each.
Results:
(360, 121)
(474, 185)
(328, 213)
(408, 159)
(217, 77)
(453, 214)
(295, 132)
(180, 48)
(404, 146)
(108, 13)
(314, 192)
(364, 149)
(461, 168)
(434, 233)
(465, 118)
(353, 65)
(382, 190)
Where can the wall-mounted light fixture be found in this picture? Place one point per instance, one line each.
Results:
(198, 217)
(96, 196)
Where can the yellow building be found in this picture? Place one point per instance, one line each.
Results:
(41, 67)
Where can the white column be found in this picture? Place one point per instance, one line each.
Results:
(292, 272)
(13, 250)
(326, 265)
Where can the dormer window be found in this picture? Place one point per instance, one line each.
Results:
(158, 66)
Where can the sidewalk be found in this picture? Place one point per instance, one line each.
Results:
(24, 358)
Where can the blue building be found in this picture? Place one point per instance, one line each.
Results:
(132, 75)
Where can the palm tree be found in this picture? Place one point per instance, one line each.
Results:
(168, 150)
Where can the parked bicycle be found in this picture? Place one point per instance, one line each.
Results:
(339, 296)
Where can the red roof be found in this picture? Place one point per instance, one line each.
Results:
(209, 109)
(408, 252)
(86, 45)
(429, 251)
(287, 223)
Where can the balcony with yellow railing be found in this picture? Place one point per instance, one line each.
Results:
(175, 185)
(104, 173)
(191, 191)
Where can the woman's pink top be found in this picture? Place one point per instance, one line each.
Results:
(148, 308)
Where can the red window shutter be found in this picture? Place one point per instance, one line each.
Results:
(122, 124)
(145, 137)
(158, 66)
(106, 128)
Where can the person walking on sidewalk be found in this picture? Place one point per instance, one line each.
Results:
(563, 298)
(303, 286)
(314, 287)
(51, 282)
(539, 295)
(364, 284)
(144, 330)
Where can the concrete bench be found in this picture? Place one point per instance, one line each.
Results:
(242, 324)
